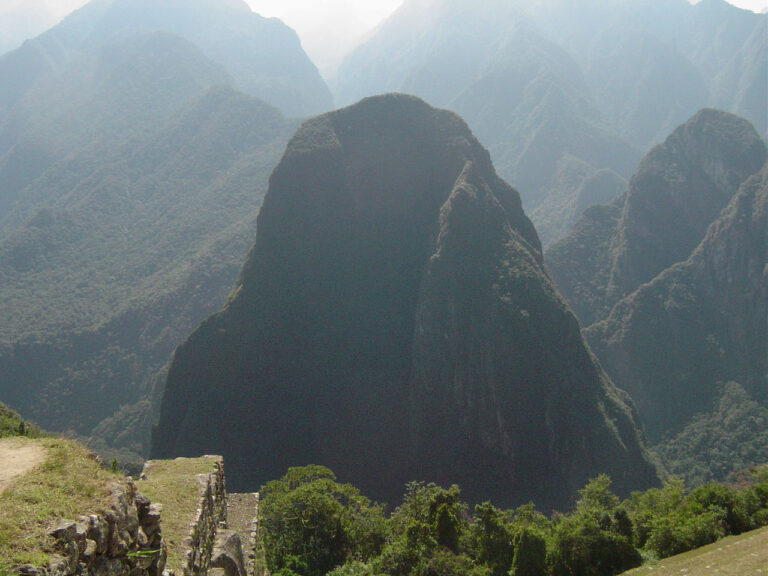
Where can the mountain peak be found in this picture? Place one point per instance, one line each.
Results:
(394, 321)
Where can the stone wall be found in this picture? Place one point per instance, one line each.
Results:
(211, 515)
(123, 540)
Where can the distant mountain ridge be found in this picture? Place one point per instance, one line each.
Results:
(262, 55)
(143, 176)
(670, 283)
(394, 321)
(553, 85)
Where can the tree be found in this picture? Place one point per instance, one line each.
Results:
(426, 533)
(490, 539)
(310, 524)
(596, 539)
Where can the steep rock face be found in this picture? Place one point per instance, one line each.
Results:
(394, 321)
(678, 191)
(700, 323)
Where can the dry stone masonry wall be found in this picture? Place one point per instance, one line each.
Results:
(123, 540)
(126, 538)
(210, 516)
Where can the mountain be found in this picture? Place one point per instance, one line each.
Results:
(699, 324)
(394, 321)
(728, 439)
(522, 93)
(262, 55)
(129, 187)
(21, 20)
(561, 91)
(678, 191)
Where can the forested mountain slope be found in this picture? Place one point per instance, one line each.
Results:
(394, 321)
(678, 191)
(699, 324)
(130, 183)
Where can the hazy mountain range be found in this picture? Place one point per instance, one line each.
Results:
(396, 304)
(670, 281)
(132, 174)
(560, 91)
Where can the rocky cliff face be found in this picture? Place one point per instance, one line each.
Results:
(701, 323)
(394, 322)
(678, 191)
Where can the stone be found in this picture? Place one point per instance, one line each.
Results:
(27, 570)
(228, 554)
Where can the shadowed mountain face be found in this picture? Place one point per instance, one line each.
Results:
(129, 188)
(678, 191)
(393, 321)
(263, 56)
(560, 91)
(700, 323)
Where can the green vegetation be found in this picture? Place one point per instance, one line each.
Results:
(11, 424)
(68, 483)
(312, 523)
(174, 485)
(720, 442)
(312, 526)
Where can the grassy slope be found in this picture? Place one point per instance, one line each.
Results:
(68, 484)
(743, 555)
(173, 483)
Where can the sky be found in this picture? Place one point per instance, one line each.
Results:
(327, 28)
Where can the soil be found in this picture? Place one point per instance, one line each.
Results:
(17, 457)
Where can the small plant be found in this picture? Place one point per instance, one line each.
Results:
(142, 553)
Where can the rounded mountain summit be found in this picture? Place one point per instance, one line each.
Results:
(394, 322)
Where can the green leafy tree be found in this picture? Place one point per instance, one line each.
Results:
(310, 524)
(426, 532)
(530, 557)
(593, 541)
(490, 538)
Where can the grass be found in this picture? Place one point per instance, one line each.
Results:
(11, 424)
(743, 555)
(173, 484)
(68, 484)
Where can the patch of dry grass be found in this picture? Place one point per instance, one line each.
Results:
(743, 555)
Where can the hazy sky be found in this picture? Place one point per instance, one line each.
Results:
(328, 28)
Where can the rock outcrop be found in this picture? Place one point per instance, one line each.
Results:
(394, 322)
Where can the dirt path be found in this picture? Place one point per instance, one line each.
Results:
(18, 456)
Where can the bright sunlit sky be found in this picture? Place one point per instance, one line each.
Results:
(328, 28)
